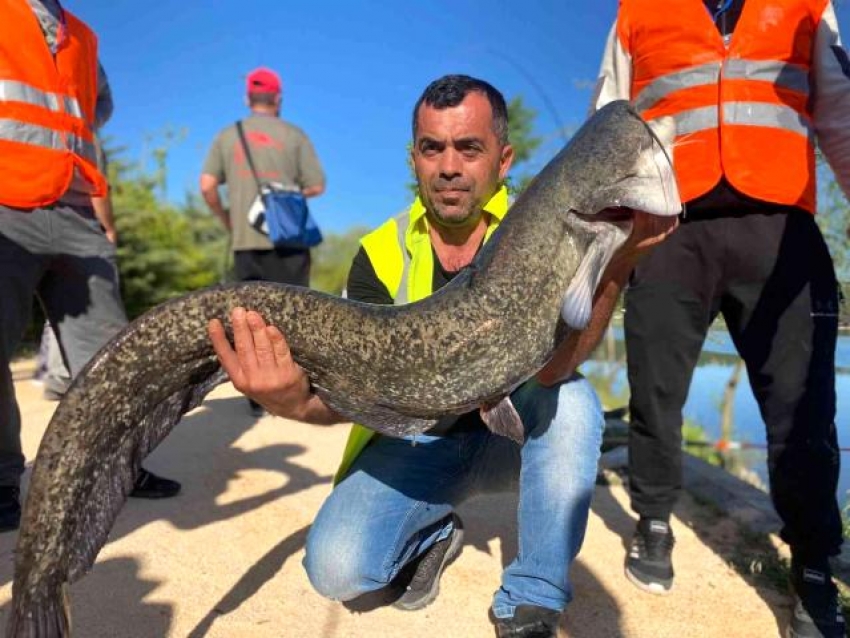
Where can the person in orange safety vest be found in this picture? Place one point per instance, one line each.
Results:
(53, 97)
(752, 86)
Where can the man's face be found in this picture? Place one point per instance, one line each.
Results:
(458, 159)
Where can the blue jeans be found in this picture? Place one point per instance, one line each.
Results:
(396, 500)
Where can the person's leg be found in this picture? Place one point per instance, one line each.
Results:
(669, 307)
(782, 311)
(665, 326)
(56, 375)
(20, 270)
(80, 290)
(82, 298)
(281, 265)
(555, 470)
(289, 267)
(21, 266)
(395, 503)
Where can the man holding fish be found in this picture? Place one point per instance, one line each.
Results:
(390, 521)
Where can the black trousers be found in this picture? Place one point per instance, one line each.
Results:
(281, 265)
(770, 275)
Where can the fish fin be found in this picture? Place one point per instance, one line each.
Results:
(503, 419)
(578, 300)
(380, 418)
(117, 476)
(49, 618)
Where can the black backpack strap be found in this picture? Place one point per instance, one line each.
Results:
(241, 132)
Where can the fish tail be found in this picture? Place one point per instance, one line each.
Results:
(48, 618)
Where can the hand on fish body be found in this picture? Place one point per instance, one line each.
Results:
(260, 365)
(396, 369)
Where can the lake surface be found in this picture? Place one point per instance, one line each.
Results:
(706, 394)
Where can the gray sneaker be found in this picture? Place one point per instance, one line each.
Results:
(649, 564)
(424, 585)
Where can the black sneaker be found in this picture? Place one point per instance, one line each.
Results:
(817, 612)
(149, 485)
(529, 621)
(649, 565)
(424, 585)
(255, 408)
(10, 508)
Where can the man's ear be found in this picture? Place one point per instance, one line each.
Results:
(505, 161)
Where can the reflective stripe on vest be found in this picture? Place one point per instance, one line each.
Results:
(14, 91)
(745, 114)
(401, 223)
(788, 76)
(775, 73)
(35, 135)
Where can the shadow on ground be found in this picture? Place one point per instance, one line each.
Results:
(200, 453)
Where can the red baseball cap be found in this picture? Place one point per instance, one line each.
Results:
(264, 80)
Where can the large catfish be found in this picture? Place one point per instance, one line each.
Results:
(396, 369)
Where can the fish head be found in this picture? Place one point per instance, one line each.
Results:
(616, 164)
(621, 162)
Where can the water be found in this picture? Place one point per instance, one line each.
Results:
(706, 394)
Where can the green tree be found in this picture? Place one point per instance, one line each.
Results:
(332, 260)
(164, 250)
(525, 143)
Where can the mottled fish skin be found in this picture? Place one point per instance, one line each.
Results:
(396, 369)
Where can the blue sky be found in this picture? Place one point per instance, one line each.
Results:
(351, 72)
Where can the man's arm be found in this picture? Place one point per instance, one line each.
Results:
(831, 99)
(209, 191)
(104, 106)
(313, 191)
(310, 170)
(615, 73)
(103, 211)
(647, 232)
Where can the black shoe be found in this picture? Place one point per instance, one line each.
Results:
(149, 485)
(529, 621)
(424, 586)
(10, 508)
(255, 408)
(649, 565)
(817, 612)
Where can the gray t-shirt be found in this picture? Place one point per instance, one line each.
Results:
(282, 153)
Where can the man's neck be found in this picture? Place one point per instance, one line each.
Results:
(456, 247)
(264, 110)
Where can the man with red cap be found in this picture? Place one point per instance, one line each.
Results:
(282, 156)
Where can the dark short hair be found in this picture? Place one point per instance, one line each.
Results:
(265, 99)
(451, 90)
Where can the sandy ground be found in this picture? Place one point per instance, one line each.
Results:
(224, 557)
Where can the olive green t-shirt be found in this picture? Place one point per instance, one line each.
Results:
(282, 154)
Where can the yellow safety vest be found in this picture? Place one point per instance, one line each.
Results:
(400, 252)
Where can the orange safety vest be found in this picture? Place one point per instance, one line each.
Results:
(47, 109)
(742, 112)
